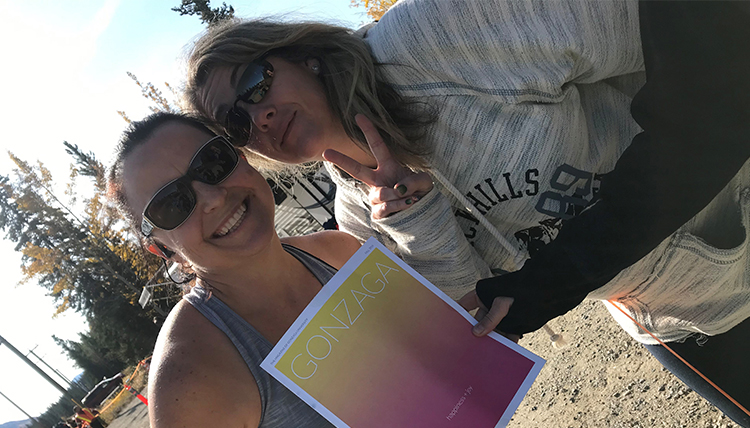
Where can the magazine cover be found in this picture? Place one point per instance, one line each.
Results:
(380, 346)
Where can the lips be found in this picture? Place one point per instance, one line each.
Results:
(233, 222)
(288, 128)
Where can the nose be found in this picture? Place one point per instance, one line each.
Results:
(263, 115)
(209, 197)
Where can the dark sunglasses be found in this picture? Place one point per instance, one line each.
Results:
(172, 204)
(251, 88)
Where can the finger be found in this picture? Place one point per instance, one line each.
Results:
(470, 301)
(385, 209)
(374, 140)
(379, 195)
(415, 184)
(498, 311)
(354, 168)
(412, 185)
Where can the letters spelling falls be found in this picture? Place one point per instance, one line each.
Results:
(344, 316)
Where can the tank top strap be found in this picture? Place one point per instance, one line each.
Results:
(320, 269)
(280, 407)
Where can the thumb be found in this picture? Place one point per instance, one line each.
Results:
(470, 301)
(498, 311)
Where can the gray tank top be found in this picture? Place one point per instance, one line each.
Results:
(279, 406)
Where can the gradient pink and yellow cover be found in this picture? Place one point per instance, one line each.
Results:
(379, 346)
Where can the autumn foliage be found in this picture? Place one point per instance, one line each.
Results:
(375, 8)
(83, 257)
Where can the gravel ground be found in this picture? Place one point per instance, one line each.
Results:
(603, 379)
(606, 379)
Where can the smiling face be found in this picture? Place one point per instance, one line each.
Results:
(231, 221)
(293, 123)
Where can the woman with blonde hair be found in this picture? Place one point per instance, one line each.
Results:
(521, 112)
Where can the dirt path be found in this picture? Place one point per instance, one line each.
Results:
(604, 379)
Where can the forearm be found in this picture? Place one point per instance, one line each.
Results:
(426, 236)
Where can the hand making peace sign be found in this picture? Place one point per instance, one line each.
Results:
(393, 187)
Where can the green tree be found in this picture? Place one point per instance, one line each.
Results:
(104, 221)
(203, 9)
(87, 265)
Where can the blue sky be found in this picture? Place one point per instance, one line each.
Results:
(64, 78)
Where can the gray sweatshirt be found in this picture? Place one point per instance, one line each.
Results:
(533, 109)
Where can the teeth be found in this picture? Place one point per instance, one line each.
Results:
(233, 222)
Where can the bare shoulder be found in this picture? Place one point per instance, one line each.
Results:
(331, 246)
(198, 378)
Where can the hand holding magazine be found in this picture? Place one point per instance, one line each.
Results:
(379, 346)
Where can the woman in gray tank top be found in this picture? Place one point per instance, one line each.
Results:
(193, 201)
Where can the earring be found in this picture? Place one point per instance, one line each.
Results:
(314, 65)
(160, 250)
(177, 274)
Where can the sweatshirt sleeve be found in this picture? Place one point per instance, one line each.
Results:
(430, 240)
(426, 236)
(521, 51)
(695, 113)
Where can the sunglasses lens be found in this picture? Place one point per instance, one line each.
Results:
(238, 126)
(214, 162)
(171, 206)
(251, 88)
(174, 203)
(255, 82)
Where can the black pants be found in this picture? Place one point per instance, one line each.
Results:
(725, 359)
(697, 73)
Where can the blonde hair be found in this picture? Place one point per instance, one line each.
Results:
(348, 73)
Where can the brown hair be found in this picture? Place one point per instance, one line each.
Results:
(348, 73)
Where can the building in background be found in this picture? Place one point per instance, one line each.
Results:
(304, 204)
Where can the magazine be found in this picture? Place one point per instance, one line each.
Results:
(380, 346)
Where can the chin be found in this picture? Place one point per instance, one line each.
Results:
(305, 151)
(260, 242)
